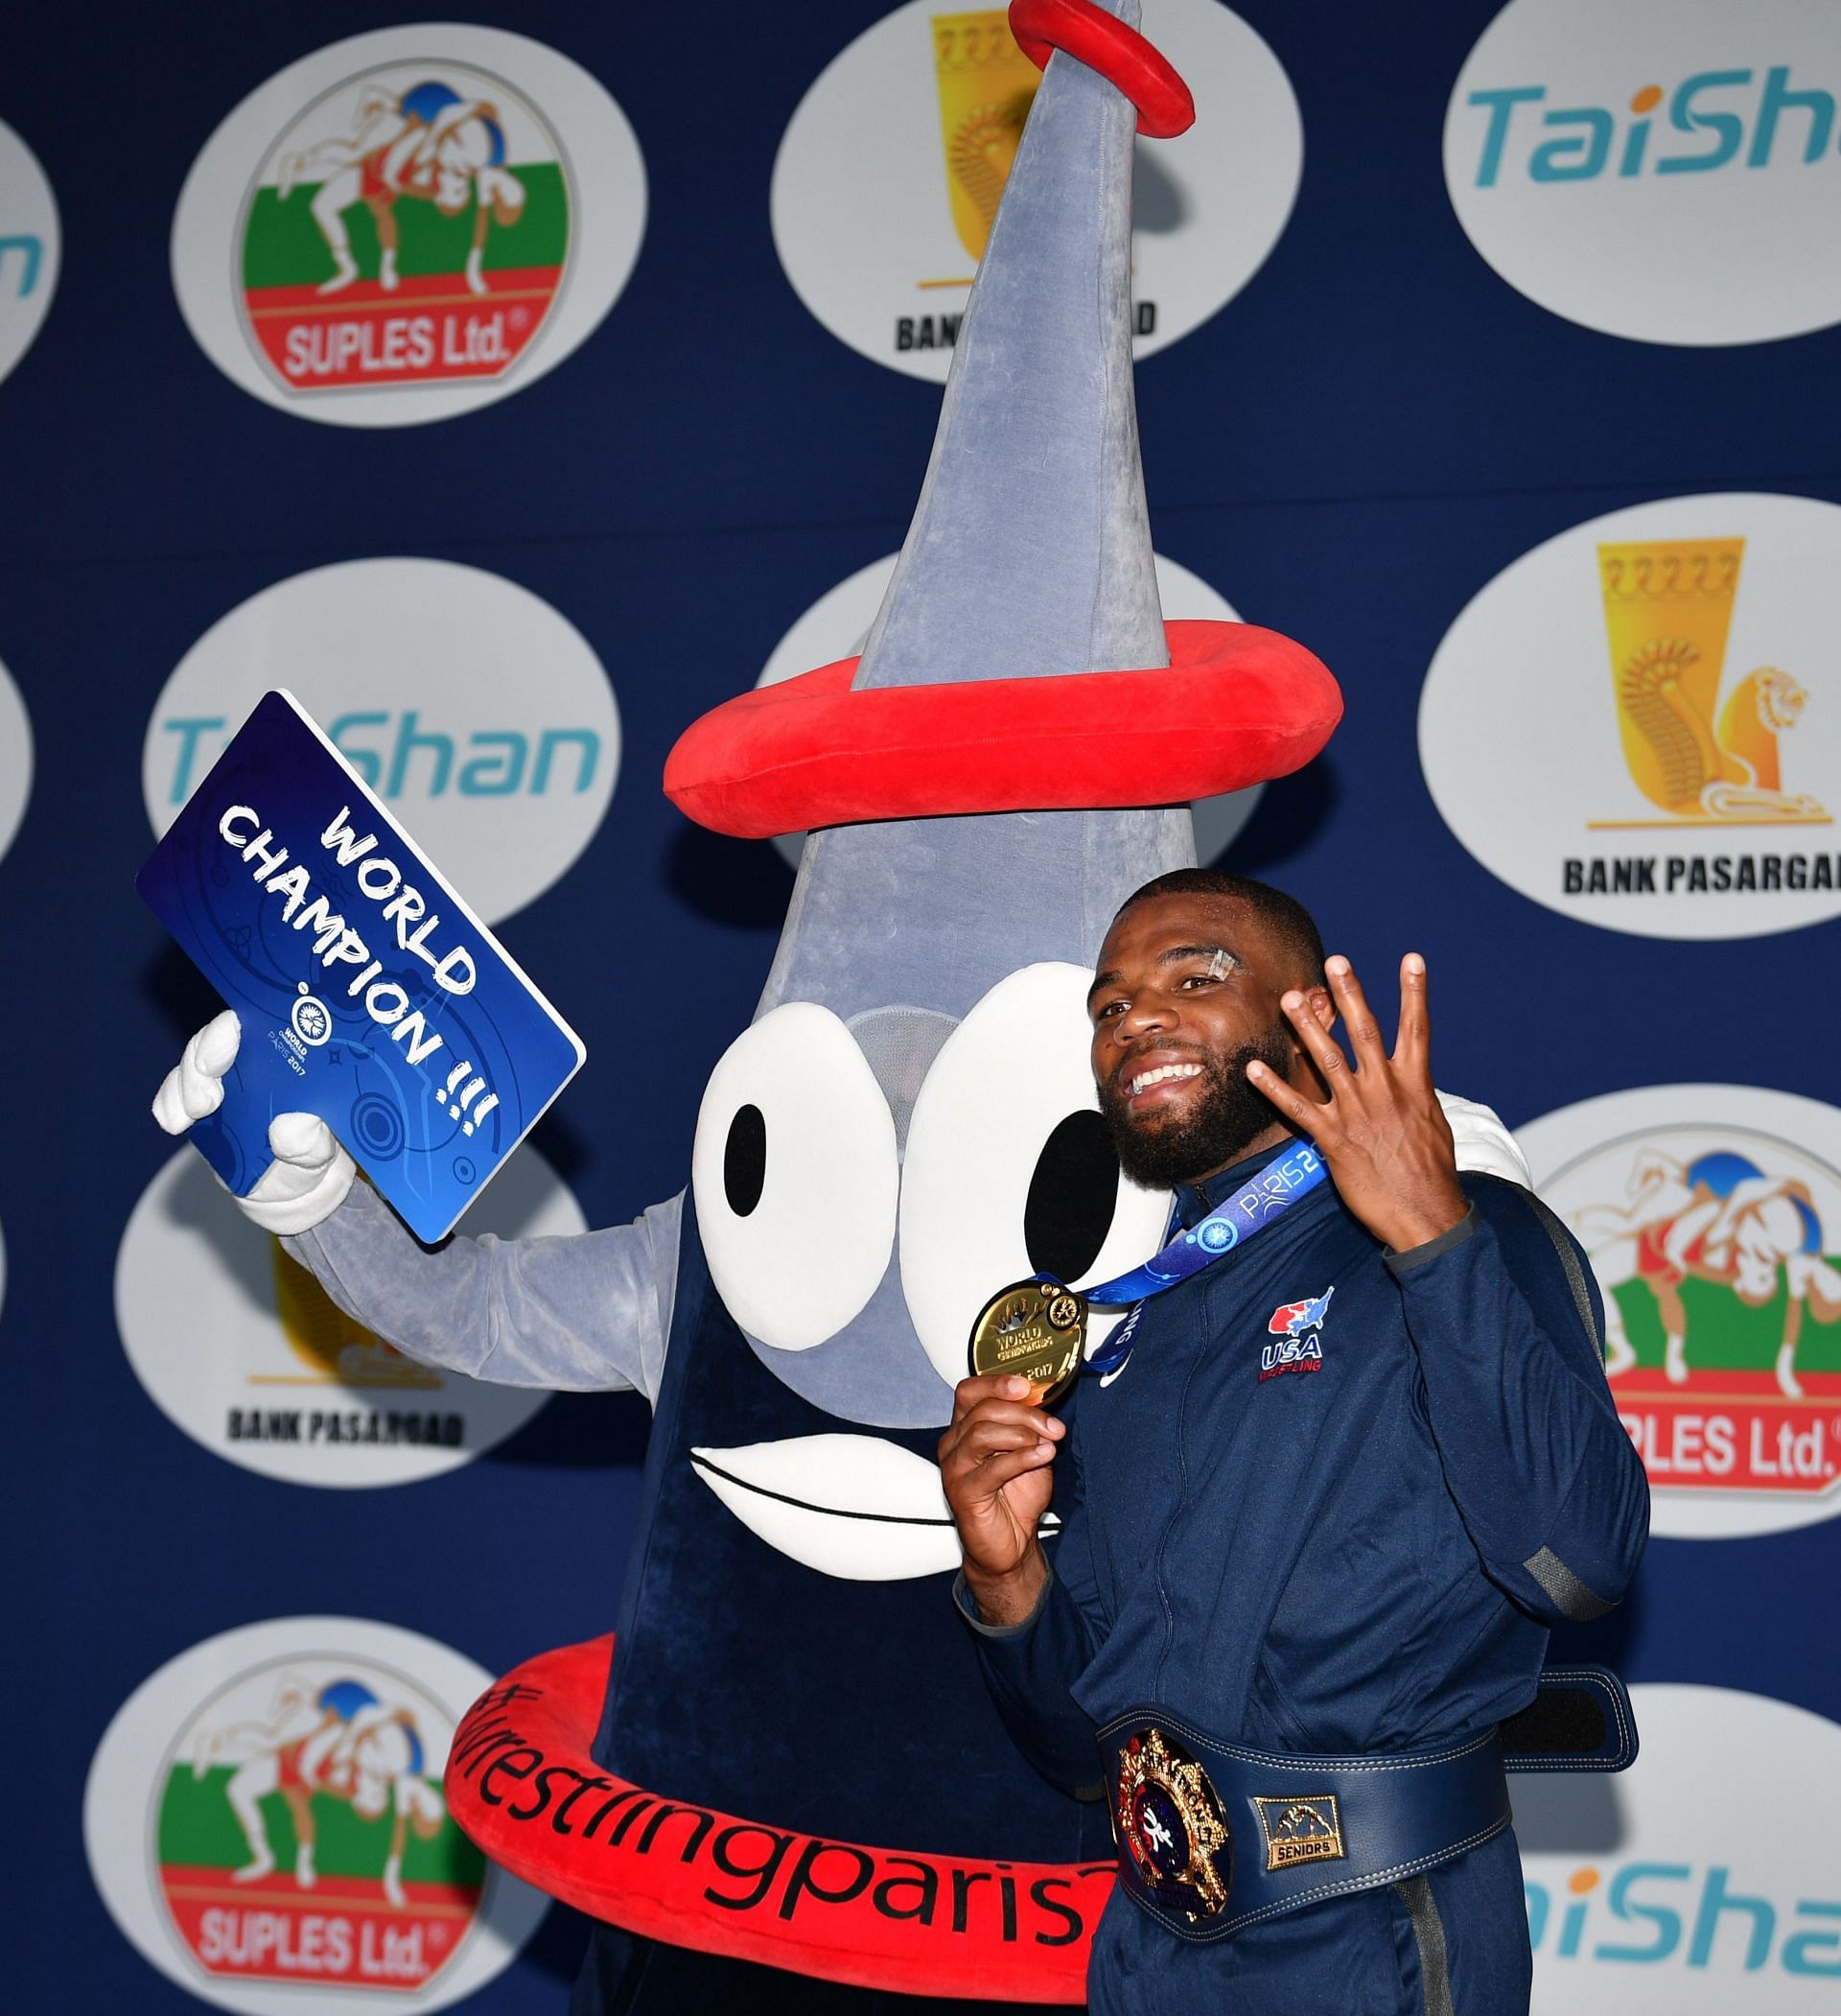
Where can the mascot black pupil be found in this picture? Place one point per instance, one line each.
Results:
(1071, 1196)
(744, 1160)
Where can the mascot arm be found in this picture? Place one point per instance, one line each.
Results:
(584, 1313)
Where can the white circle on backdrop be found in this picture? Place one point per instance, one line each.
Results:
(1626, 694)
(836, 626)
(1730, 1453)
(475, 711)
(1634, 1881)
(1651, 179)
(426, 127)
(165, 1844)
(15, 760)
(862, 198)
(239, 1346)
(31, 247)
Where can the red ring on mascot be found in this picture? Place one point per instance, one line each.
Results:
(1120, 56)
(1235, 706)
(520, 1781)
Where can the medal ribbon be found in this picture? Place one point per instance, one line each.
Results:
(1251, 1209)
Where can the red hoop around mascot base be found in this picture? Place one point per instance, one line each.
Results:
(1120, 56)
(1235, 706)
(522, 1782)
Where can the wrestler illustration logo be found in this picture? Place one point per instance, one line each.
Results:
(1712, 1214)
(410, 226)
(303, 1836)
(1749, 1233)
(1667, 607)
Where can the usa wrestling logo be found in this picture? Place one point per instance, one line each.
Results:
(1297, 1329)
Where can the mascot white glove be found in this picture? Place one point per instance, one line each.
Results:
(1484, 1146)
(307, 1180)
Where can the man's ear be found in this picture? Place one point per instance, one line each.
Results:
(1322, 1007)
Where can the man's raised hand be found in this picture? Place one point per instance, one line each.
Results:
(1383, 1133)
(994, 1463)
(311, 1174)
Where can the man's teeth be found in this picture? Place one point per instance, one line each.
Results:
(1163, 1073)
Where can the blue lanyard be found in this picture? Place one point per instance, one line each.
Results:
(1251, 1209)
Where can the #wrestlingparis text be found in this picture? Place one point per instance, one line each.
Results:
(751, 1867)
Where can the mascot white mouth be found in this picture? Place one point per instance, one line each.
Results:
(852, 1505)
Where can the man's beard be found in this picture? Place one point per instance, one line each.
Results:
(1229, 1111)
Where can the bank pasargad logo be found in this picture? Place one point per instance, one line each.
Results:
(1661, 170)
(1667, 611)
(1633, 724)
(421, 219)
(240, 1346)
(892, 168)
(1711, 1216)
(284, 1832)
(31, 247)
(1702, 1882)
(403, 663)
(838, 624)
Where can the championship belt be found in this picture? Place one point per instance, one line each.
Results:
(1213, 1837)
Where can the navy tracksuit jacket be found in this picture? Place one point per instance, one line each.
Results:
(1353, 1548)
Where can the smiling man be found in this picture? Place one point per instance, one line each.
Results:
(1319, 1513)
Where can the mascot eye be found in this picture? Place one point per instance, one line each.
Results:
(1073, 1191)
(795, 1178)
(1007, 1170)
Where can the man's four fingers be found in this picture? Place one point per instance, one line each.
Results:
(1413, 1050)
(1358, 1017)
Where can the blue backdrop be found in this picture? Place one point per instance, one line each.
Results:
(1350, 450)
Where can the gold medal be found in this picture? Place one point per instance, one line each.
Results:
(1034, 1330)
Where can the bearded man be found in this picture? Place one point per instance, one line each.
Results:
(1320, 1508)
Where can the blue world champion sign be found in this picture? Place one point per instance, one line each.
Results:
(368, 991)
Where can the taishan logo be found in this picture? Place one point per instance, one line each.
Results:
(1651, 688)
(892, 168)
(404, 663)
(414, 222)
(29, 248)
(287, 1825)
(1665, 170)
(1712, 1219)
(1732, 119)
(1703, 1882)
(411, 228)
(1692, 1915)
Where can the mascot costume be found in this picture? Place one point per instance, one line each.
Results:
(785, 1756)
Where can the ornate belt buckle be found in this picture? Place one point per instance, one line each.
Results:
(1171, 1820)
